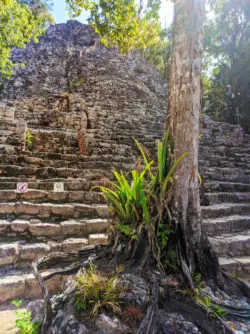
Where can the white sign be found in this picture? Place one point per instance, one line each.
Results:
(58, 187)
(22, 187)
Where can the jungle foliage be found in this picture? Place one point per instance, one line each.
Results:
(20, 22)
(226, 78)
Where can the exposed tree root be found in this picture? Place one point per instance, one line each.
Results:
(191, 310)
(78, 260)
(147, 325)
(142, 262)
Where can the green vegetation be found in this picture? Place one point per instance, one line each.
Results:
(23, 320)
(20, 22)
(197, 294)
(97, 293)
(28, 139)
(128, 25)
(227, 72)
(143, 202)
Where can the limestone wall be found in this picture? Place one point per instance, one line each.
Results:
(12, 131)
(72, 83)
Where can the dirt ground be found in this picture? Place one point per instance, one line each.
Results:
(7, 319)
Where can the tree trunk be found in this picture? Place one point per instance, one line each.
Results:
(183, 120)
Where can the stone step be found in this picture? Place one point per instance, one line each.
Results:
(236, 266)
(42, 196)
(20, 254)
(53, 211)
(243, 178)
(228, 224)
(208, 155)
(231, 245)
(91, 164)
(229, 174)
(223, 163)
(36, 229)
(22, 284)
(226, 151)
(38, 157)
(220, 197)
(225, 209)
(51, 173)
(220, 186)
(70, 184)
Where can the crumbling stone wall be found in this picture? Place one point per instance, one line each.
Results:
(74, 85)
(12, 132)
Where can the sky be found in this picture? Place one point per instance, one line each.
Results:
(60, 15)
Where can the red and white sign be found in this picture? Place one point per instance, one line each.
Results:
(22, 187)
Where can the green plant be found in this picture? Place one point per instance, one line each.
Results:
(127, 231)
(170, 263)
(219, 311)
(23, 320)
(199, 283)
(97, 292)
(163, 234)
(28, 139)
(142, 203)
(205, 301)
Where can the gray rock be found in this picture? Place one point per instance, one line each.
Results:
(137, 289)
(36, 308)
(169, 323)
(110, 325)
(67, 324)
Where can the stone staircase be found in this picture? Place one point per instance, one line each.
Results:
(225, 168)
(41, 220)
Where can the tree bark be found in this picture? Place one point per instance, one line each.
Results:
(183, 120)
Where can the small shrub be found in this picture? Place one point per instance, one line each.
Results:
(97, 293)
(219, 311)
(28, 139)
(23, 320)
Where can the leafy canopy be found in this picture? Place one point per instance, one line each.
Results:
(226, 81)
(128, 24)
(121, 23)
(20, 22)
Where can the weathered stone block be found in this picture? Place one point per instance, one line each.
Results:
(72, 244)
(7, 208)
(43, 229)
(4, 226)
(7, 196)
(63, 210)
(72, 227)
(27, 208)
(95, 226)
(11, 287)
(96, 239)
(57, 196)
(33, 251)
(34, 195)
(8, 253)
(20, 225)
